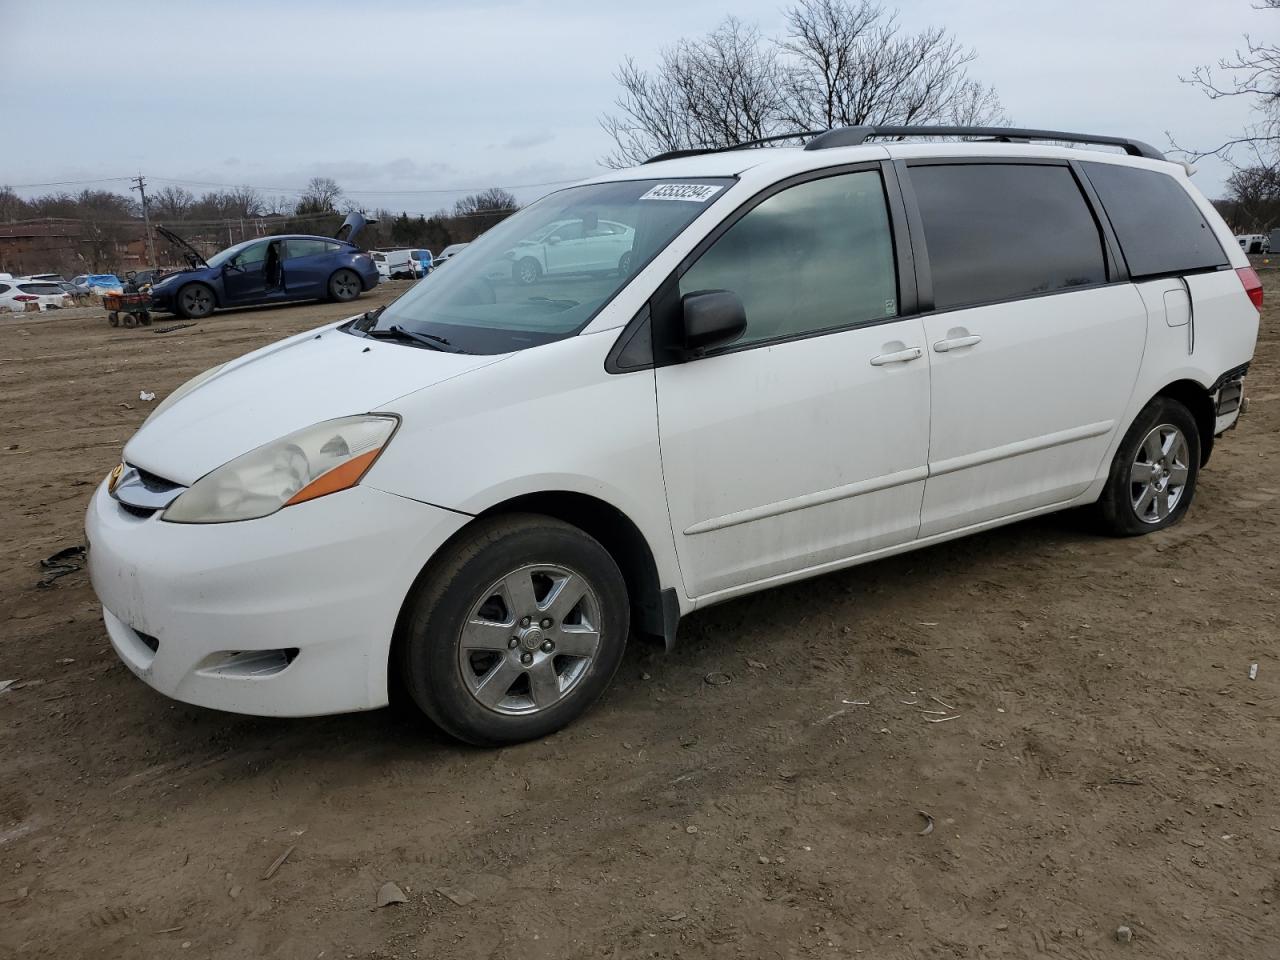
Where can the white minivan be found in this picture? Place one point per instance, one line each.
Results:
(816, 357)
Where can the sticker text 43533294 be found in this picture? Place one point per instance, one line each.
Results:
(693, 192)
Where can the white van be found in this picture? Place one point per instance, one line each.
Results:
(396, 264)
(816, 358)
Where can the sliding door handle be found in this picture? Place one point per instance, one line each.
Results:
(955, 343)
(898, 356)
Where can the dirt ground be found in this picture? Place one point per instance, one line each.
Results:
(1112, 763)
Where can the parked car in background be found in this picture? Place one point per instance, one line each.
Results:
(396, 264)
(423, 259)
(19, 295)
(573, 247)
(97, 284)
(1254, 243)
(447, 254)
(268, 270)
(819, 357)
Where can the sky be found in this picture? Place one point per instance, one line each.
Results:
(412, 103)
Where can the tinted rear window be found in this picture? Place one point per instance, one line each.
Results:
(41, 289)
(4, 288)
(1000, 231)
(1160, 228)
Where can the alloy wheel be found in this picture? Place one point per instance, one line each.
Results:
(529, 639)
(1158, 476)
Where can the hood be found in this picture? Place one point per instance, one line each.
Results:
(189, 253)
(318, 375)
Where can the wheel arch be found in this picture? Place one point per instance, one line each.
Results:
(1199, 402)
(654, 610)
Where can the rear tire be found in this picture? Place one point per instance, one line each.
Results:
(344, 286)
(129, 320)
(113, 318)
(515, 631)
(195, 301)
(1153, 476)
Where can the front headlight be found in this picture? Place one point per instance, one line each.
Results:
(313, 462)
(184, 389)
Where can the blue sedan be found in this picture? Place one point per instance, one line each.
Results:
(268, 270)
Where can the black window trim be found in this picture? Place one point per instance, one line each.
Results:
(1116, 268)
(660, 309)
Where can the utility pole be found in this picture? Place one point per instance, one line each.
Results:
(140, 184)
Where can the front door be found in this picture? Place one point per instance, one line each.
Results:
(244, 275)
(804, 443)
(1034, 349)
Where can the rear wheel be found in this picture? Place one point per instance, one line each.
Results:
(113, 318)
(1153, 476)
(344, 286)
(516, 631)
(527, 271)
(129, 320)
(624, 264)
(195, 301)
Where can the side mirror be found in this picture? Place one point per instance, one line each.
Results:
(553, 239)
(711, 318)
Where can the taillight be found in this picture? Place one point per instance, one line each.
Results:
(25, 298)
(1252, 285)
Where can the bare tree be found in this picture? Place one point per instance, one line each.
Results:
(1254, 74)
(851, 63)
(476, 213)
(721, 89)
(840, 63)
(172, 203)
(320, 196)
(1253, 199)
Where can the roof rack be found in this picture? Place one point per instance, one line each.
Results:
(853, 136)
(856, 136)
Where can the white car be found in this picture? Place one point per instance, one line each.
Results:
(19, 295)
(819, 357)
(573, 246)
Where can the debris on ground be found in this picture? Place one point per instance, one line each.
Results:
(172, 327)
(279, 862)
(457, 895)
(756, 665)
(65, 561)
(146, 395)
(717, 679)
(928, 824)
(1123, 934)
(6, 684)
(389, 893)
(1253, 671)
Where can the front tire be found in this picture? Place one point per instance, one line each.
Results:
(344, 286)
(515, 631)
(195, 301)
(1153, 476)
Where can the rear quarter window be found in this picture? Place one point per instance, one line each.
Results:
(1160, 228)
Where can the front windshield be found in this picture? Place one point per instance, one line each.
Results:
(543, 274)
(222, 256)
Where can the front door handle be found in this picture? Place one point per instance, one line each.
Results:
(955, 343)
(898, 356)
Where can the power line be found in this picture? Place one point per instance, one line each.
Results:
(65, 183)
(357, 192)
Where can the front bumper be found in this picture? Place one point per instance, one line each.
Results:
(288, 615)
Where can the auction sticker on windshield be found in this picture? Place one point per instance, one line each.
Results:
(695, 192)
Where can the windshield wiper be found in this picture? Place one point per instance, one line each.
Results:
(362, 323)
(397, 332)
